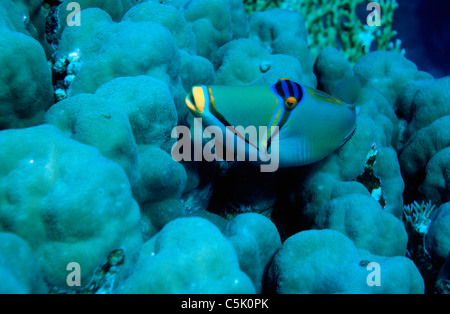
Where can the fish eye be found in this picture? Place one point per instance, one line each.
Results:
(290, 102)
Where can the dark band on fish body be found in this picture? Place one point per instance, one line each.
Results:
(212, 108)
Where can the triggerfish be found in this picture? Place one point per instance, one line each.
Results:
(307, 124)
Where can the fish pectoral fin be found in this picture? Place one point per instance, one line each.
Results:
(291, 151)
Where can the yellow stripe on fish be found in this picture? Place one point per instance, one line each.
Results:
(307, 123)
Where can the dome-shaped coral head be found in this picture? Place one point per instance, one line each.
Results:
(301, 125)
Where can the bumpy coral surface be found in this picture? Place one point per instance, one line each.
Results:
(255, 239)
(200, 249)
(18, 268)
(325, 261)
(66, 200)
(438, 236)
(93, 201)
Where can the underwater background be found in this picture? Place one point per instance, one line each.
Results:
(94, 93)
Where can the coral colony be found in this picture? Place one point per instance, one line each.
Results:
(219, 146)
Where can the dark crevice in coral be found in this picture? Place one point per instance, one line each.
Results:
(287, 214)
(410, 193)
(52, 22)
(427, 266)
(370, 180)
